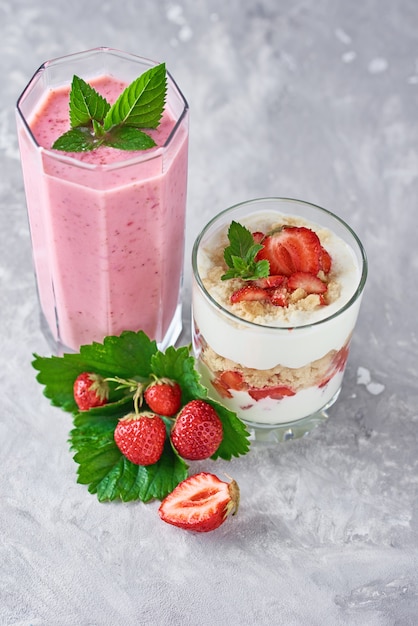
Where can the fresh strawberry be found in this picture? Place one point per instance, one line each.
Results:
(280, 296)
(90, 390)
(304, 248)
(163, 396)
(226, 380)
(140, 437)
(276, 254)
(307, 282)
(249, 293)
(277, 393)
(269, 282)
(325, 261)
(258, 236)
(201, 503)
(292, 249)
(197, 432)
(338, 364)
(232, 379)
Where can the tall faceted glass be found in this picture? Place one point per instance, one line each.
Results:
(107, 229)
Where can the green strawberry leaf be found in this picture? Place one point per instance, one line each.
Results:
(111, 476)
(127, 356)
(142, 103)
(86, 104)
(235, 435)
(132, 356)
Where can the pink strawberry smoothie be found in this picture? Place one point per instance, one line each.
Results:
(107, 227)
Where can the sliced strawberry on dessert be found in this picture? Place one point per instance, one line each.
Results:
(232, 379)
(90, 390)
(140, 437)
(276, 254)
(276, 393)
(200, 503)
(304, 248)
(280, 296)
(163, 396)
(258, 236)
(308, 282)
(249, 293)
(325, 261)
(197, 432)
(226, 380)
(270, 282)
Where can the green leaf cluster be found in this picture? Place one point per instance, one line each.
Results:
(240, 255)
(94, 122)
(101, 466)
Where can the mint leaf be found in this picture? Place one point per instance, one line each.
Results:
(94, 122)
(240, 255)
(76, 140)
(86, 104)
(129, 138)
(101, 465)
(141, 104)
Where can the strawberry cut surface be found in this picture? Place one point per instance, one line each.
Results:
(293, 249)
(200, 503)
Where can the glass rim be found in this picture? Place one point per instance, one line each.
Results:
(71, 160)
(239, 320)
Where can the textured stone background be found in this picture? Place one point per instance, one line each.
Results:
(314, 99)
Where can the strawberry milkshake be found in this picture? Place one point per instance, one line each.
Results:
(276, 294)
(107, 225)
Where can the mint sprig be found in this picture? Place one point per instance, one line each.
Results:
(101, 466)
(240, 255)
(94, 122)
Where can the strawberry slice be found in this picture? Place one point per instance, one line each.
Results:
(325, 261)
(201, 503)
(276, 254)
(304, 248)
(279, 296)
(307, 282)
(258, 236)
(249, 293)
(276, 393)
(270, 282)
(231, 379)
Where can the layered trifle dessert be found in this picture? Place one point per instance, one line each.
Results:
(276, 294)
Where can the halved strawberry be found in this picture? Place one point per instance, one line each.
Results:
(249, 293)
(276, 393)
(308, 282)
(201, 503)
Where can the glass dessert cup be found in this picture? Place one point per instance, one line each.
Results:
(107, 237)
(280, 376)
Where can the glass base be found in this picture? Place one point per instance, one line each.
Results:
(173, 333)
(265, 433)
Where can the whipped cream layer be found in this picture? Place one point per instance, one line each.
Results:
(272, 412)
